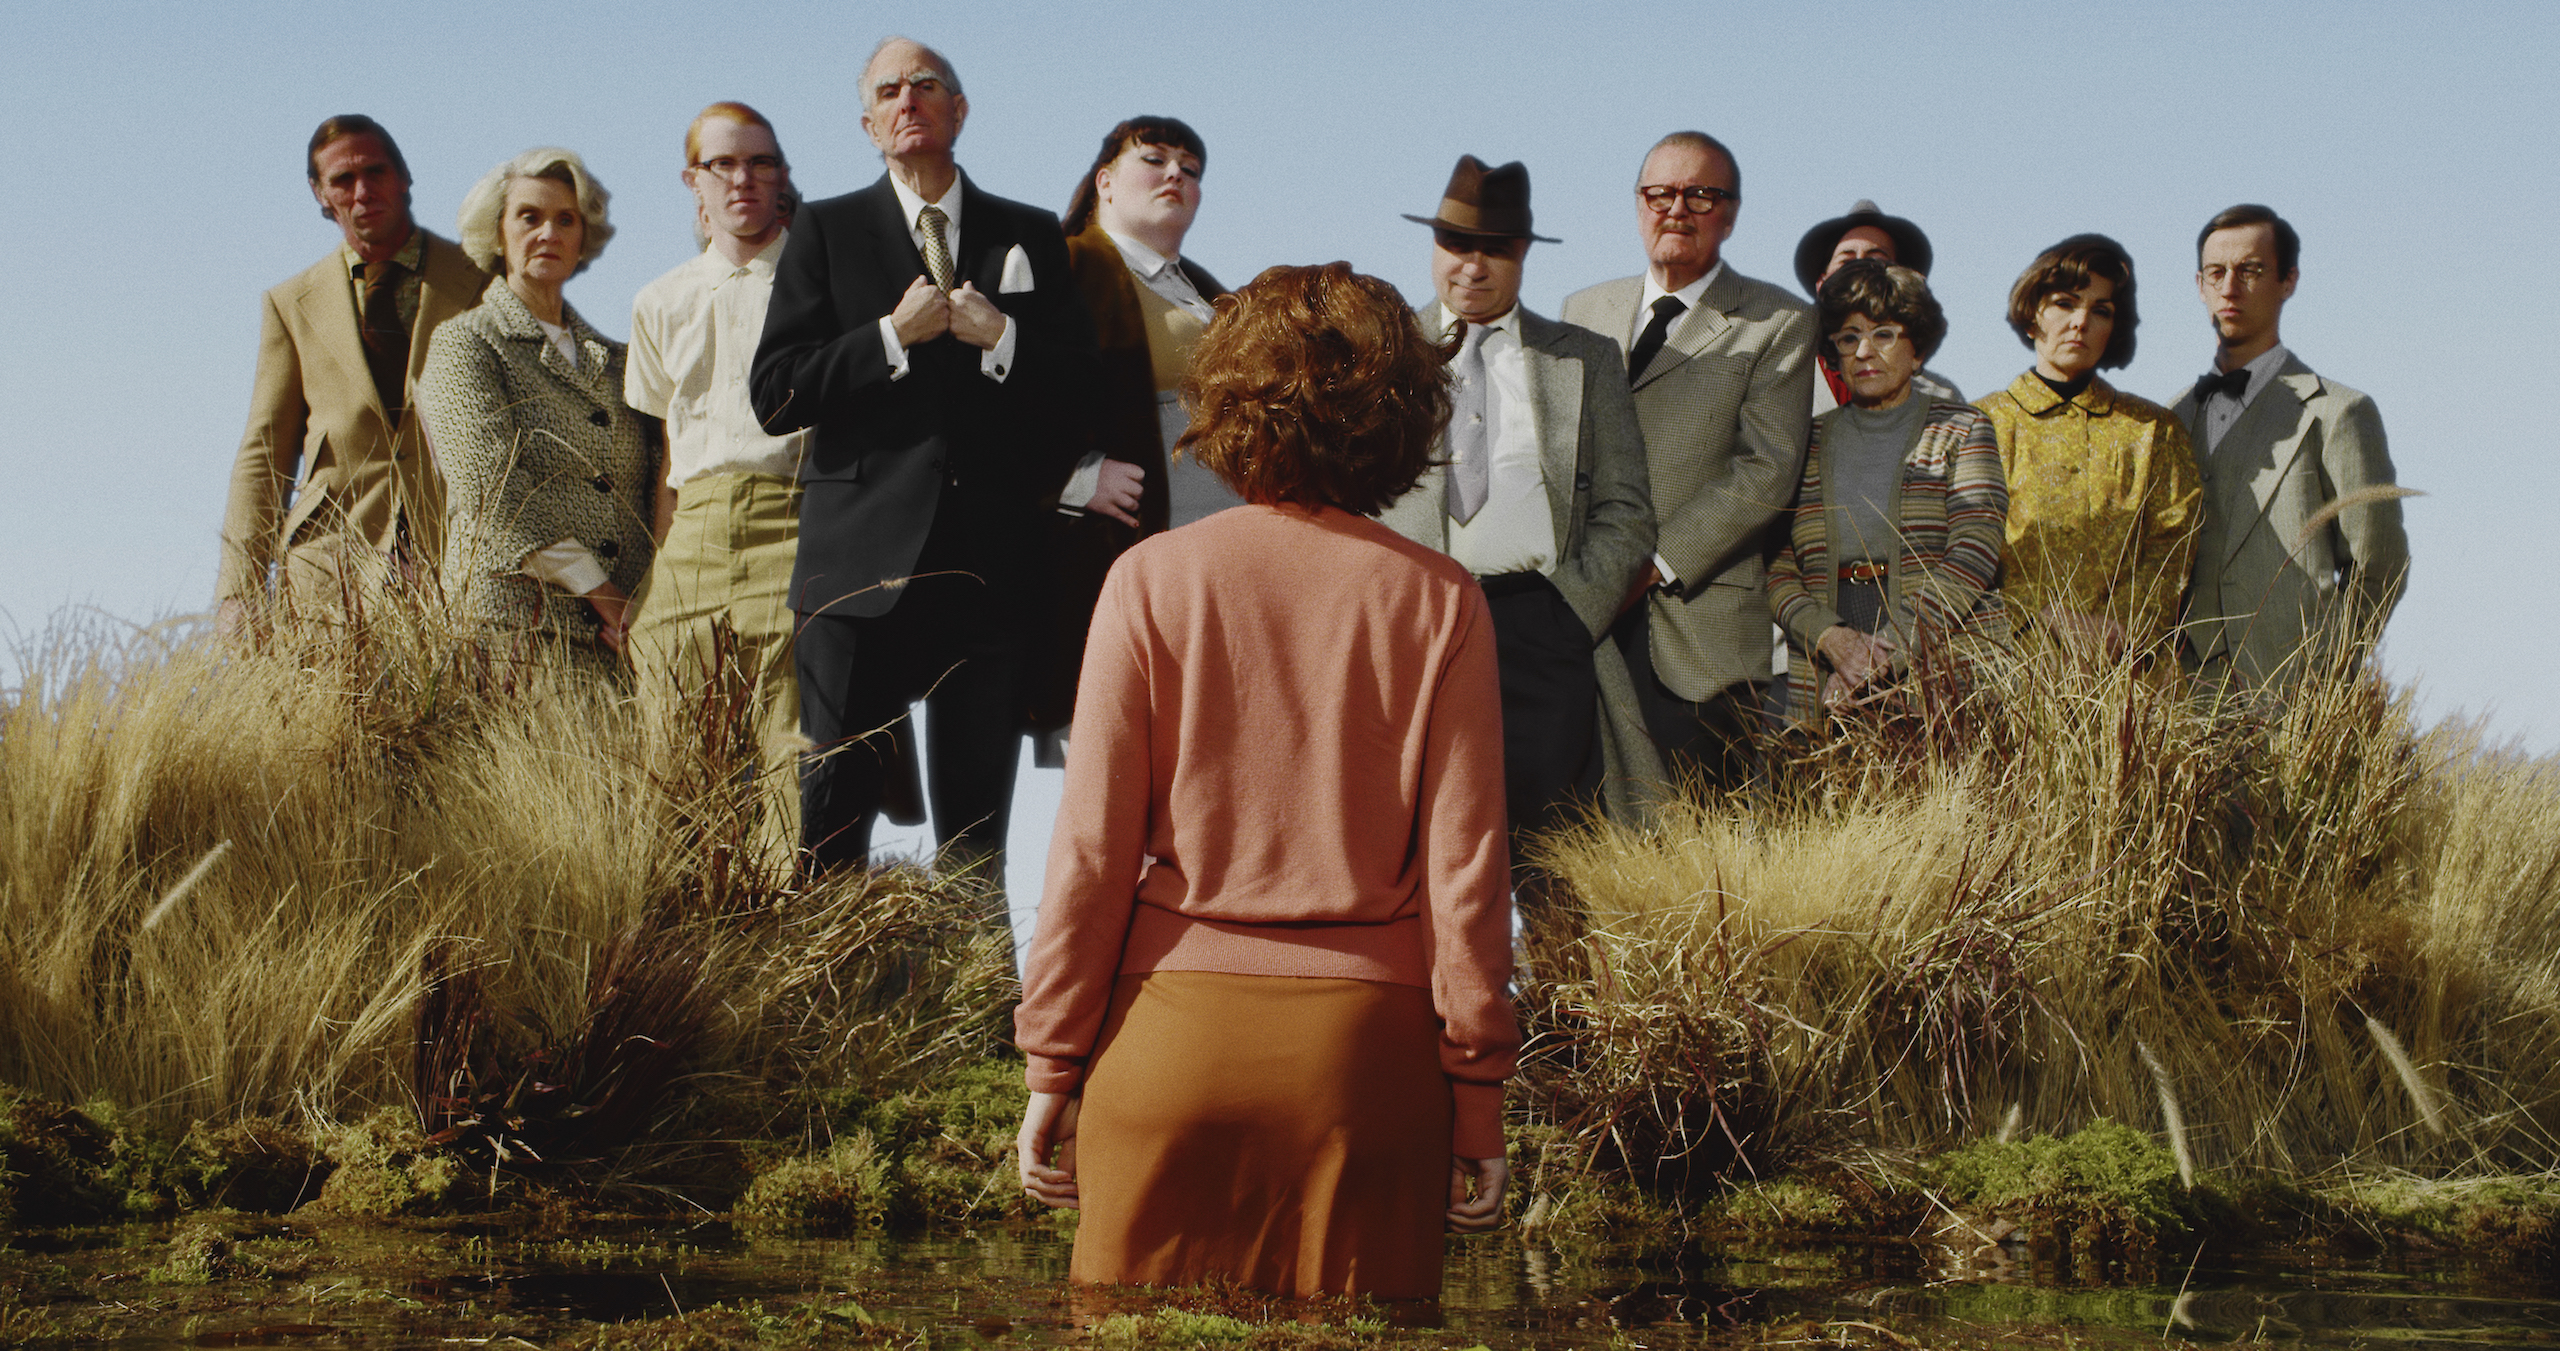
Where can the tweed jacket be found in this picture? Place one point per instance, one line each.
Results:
(1941, 588)
(535, 452)
(321, 469)
(2262, 590)
(1723, 408)
(2102, 505)
(1592, 452)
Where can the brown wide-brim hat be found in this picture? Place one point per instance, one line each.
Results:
(1813, 252)
(1489, 202)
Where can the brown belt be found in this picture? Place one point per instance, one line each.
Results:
(1865, 570)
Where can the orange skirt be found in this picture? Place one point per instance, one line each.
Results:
(1284, 1133)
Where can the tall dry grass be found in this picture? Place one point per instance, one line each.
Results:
(230, 873)
(2288, 937)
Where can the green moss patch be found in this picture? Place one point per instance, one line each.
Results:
(2104, 1194)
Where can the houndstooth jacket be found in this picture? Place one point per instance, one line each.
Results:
(534, 452)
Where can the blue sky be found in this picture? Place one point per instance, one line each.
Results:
(2410, 144)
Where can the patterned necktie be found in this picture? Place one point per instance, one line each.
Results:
(1471, 429)
(386, 339)
(937, 251)
(1666, 312)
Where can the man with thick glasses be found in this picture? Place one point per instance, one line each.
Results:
(929, 335)
(2302, 544)
(1722, 369)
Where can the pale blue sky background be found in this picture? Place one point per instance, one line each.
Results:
(157, 189)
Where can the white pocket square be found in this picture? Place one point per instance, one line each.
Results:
(1017, 272)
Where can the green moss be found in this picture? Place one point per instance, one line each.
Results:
(750, 1327)
(2105, 1192)
(213, 1248)
(2514, 1219)
(54, 1161)
(847, 1185)
(383, 1167)
(1185, 1328)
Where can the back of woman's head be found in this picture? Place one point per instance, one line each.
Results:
(2068, 267)
(1315, 386)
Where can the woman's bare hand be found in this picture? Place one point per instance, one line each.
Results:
(1858, 660)
(614, 608)
(1475, 1193)
(2092, 638)
(1046, 1149)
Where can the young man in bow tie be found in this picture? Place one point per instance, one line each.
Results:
(2278, 445)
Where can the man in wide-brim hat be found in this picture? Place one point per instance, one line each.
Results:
(1541, 492)
(1866, 232)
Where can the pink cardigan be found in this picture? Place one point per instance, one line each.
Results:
(1287, 761)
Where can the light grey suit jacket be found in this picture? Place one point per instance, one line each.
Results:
(1593, 455)
(2260, 593)
(1723, 407)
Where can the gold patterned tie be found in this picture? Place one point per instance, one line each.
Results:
(937, 253)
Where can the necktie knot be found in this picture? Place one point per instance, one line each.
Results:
(2233, 384)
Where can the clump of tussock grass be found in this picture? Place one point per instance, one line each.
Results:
(2063, 894)
(255, 878)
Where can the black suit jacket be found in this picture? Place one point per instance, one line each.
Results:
(889, 456)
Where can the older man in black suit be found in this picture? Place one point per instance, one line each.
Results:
(923, 328)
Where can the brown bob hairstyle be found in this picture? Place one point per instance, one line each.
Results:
(1145, 129)
(1886, 294)
(1316, 387)
(2067, 267)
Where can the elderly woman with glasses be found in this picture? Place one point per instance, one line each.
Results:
(1893, 553)
(1265, 1016)
(2104, 494)
(552, 478)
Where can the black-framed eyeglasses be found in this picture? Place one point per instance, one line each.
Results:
(757, 166)
(2250, 274)
(1882, 337)
(1702, 199)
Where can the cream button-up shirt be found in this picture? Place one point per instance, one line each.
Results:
(693, 341)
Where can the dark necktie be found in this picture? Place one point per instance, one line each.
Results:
(937, 248)
(386, 339)
(1666, 312)
(2233, 382)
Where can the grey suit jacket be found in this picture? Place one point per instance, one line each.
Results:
(1723, 407)
(2260, 593)
(1593, 455)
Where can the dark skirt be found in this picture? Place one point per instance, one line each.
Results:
(1283, 1133)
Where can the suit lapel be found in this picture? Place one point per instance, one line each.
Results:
(1703, 324)
(2276, 408)
(892, 247)
(985, 236)
(328, 305)
(1555, 415)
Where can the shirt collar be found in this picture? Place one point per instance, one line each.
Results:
(408, 256)
(2262, 371)
(909, 204)
(716, 267)
(1144, 261)
(1688, 294)
(2038, 398)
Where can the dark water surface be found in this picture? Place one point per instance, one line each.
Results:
(359, 1285)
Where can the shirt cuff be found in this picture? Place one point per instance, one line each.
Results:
(1670, 578)
(1082, 484)
(566, 564)
(998, 362)
(893, 349)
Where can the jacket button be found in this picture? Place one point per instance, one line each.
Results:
(610, 549)
(603, 483)
(598, 417)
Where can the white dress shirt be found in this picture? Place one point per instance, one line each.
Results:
(693, 343)
(997, 361)
(2221, 410)
(1515, 529)
(1644, 315)
(1163, 275)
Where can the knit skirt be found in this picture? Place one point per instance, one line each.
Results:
(1282, 1133)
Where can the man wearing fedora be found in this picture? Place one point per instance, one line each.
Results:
(1866, 232)
(1722, 371)
(1541, 491)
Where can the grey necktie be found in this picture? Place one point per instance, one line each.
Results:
(937, 249)
(1471, 430)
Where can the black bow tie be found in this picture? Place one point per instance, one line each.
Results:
(2234, 383)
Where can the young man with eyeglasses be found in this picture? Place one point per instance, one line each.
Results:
(2279, 446)
(1722, 369)
(728, 514)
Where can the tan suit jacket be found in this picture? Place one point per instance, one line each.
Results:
(321, 471)
(2259, 593)
(1593, 457)
(1723, 407)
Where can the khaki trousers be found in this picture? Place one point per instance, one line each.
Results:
(728, 555)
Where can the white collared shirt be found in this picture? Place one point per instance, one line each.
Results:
(997, 361)
(1164, 276)
(693, 343)
(1644, 315)
(1515, 529)
(2222, 410)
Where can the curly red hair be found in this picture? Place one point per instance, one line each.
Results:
(1316, 387)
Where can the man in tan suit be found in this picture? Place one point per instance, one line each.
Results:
(1543, 494)
(2280, 447)
(333, 467)
(1722, 368)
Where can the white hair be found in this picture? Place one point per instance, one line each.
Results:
(480, 222)
(941, 64)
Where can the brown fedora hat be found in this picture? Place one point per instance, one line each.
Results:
(1482, 201)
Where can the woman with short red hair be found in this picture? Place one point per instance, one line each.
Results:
(1265, 1012)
